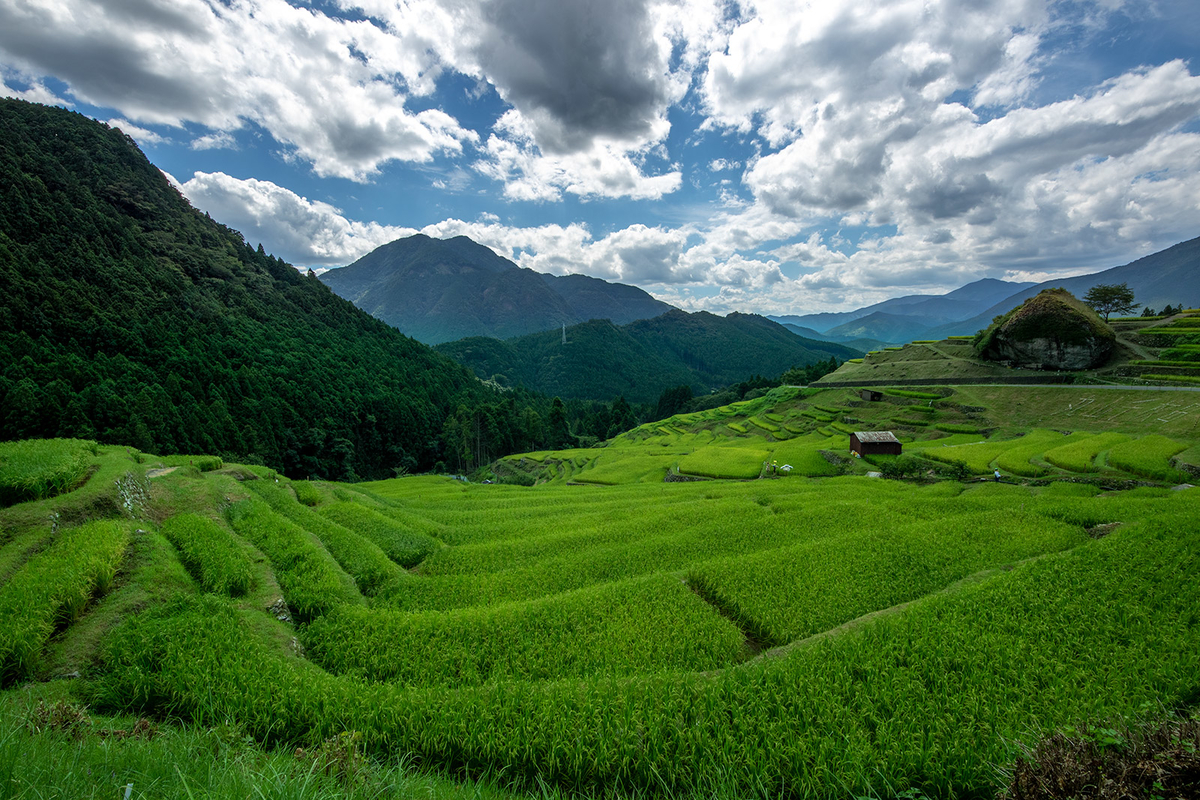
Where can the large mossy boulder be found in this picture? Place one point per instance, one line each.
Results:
(1051, 330)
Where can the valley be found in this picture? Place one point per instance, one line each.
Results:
(256, 542)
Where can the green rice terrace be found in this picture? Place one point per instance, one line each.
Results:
(720, 604)
(1150, 351)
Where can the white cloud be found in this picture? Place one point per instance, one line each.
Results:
(139, 134)
(606, 169)
(35, 93)
(302, 231)
(331, 90)
(221, 140)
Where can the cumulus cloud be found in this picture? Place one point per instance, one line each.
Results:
(862, 111)
(139, 134)
(221, 140)
(883, 145)
(35, 91)
(302, 231)
(332, 90)
(605, 170)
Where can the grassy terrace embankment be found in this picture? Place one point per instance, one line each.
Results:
(785, 636)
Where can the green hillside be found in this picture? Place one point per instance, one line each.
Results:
(1148, 351)
(776, 635)
(129, 317)
(641, 359)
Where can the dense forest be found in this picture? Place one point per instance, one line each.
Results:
(642, 359)
(132, 318)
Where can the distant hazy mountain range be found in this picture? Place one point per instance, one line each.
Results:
(902, 319)
(1169, 276)
(639, 360)
(438, 290)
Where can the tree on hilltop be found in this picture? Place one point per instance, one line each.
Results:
(1111, 298)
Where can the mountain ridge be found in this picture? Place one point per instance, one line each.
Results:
(641, 359)
(1167, 276)
(440, 290)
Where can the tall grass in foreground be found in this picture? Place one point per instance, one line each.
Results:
(38, 468)
(210, 554)
(80, 757)
(53, 588)
(934, 698)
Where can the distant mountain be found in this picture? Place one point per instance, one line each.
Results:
(129, 317)
(1168, 276)
(923, 311)
(892, 328)
(641, 359)
(592, 298)
(439, 290)
(864, 345)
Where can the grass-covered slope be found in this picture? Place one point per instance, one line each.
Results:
(774, 636)
(1052, 330)
(128, 316)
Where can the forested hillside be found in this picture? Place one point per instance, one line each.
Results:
(642, 359)
(129, 317)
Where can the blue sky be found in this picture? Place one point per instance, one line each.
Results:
(775, 156)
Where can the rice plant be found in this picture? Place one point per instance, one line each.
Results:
(310, 579)
(626, 628)
(1080, 456)
(361, 558)
(1149, 457)
(724, 462)
(53, 588)
(38, 468)
(402, 545)
(210, 554)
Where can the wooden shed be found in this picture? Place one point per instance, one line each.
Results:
(871, 443)
(871, 395)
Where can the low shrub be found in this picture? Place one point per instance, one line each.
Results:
(1158, 760)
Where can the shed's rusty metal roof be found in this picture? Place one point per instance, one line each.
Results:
(876, 436)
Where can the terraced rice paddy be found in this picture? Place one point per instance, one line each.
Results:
(819, 634)
(645, 671)
(36, 469)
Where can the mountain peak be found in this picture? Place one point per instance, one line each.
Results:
(440, 290)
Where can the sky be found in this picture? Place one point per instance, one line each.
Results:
(773, 156)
